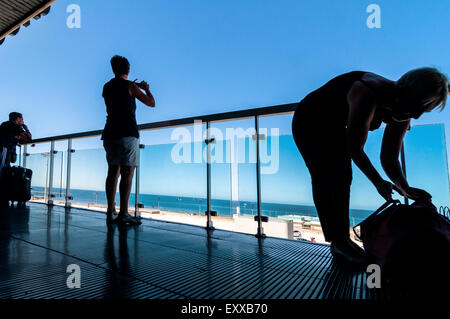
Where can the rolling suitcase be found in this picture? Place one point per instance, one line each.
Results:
(411, 244)
(16, 184)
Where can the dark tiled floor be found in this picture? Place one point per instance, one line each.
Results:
(160, 260)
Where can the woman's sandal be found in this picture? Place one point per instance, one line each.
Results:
(111, 216)
(128, 219)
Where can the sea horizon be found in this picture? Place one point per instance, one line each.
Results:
(198, 205)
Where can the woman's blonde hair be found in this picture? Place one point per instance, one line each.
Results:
(427, 87)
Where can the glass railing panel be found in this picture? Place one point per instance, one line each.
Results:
(173, 174)
(286, 195)
(426, 161)
(59, 172)
(228, 174)
(38, 161)
(246, 198)
(89, 170)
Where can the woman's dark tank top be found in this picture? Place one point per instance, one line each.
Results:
(329, 102)
(121, 110)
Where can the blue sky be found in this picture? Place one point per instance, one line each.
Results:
(206, 56)
(203, 57)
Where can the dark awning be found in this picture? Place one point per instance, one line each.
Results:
(17, 13)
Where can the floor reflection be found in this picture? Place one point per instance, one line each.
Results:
(12, 222)
(117, 260)
(158, 259)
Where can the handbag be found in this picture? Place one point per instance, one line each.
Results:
(410, 243)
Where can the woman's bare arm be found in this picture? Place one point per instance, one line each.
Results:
(390, 151)
(361, 111)
(146, 98)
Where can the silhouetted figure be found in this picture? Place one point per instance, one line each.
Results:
(12, 132)
(330, 127)
(120, 135)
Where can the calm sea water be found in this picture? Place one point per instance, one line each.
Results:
(198, 205)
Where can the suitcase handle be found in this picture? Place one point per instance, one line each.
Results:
(378, 211)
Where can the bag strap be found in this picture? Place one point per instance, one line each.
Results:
(375, 213)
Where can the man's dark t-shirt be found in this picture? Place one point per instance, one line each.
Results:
(121, 110)
(8, 131)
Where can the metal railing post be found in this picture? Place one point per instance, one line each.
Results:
(137, 205)
(208, 141)
(50, 181)
(260, 232)
(69, 171)
(24, 156)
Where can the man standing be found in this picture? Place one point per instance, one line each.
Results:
(121, 136)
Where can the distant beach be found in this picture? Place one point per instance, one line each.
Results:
(197, 206)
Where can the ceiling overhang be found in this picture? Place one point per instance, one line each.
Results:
(15, 14)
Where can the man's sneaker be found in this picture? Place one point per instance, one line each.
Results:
(111, 217)
(128, 219)
(348, 251)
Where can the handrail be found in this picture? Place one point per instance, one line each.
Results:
(208, 118)
(267, 110)
(254, 113)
